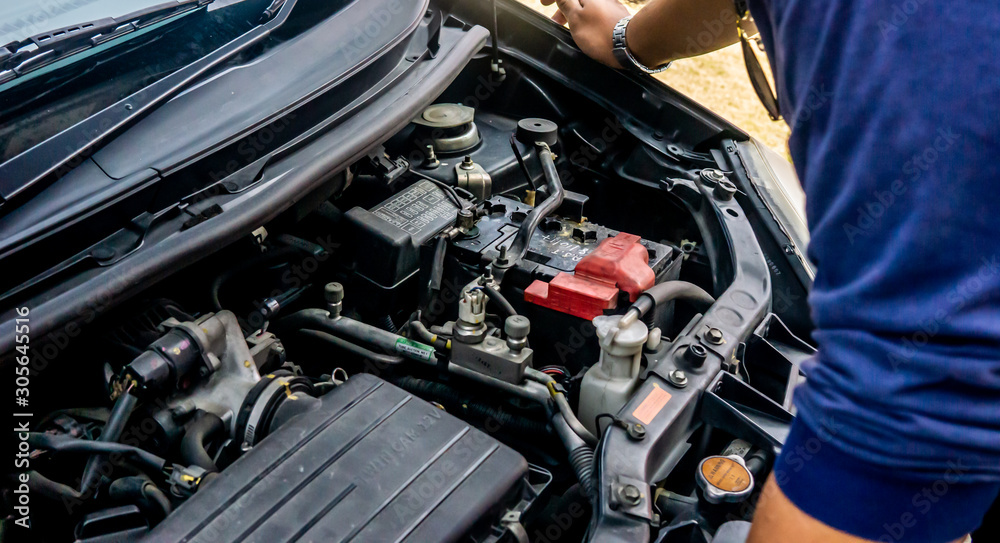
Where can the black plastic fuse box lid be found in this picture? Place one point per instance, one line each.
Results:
(388, 237)
(372, 463)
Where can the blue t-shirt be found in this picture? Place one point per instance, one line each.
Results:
(894, 108)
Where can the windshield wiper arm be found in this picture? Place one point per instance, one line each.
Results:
(19, 57)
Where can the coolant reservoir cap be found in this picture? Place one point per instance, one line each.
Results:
(724, 479)
(627, 340)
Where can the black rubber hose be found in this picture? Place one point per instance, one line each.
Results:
(317, 319)
(43, 486)
(197, 434)
(423, 334)
(519, 247)
(496, 296)
(143, 493)
(111, 433)
(353, 348)
(436, 273)
(72, 445)
(385, 323)
(581, 456)
(256, 260)
(455, 401)
(673, 290)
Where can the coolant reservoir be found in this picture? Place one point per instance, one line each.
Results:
(610, 383)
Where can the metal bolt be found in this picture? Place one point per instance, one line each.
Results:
(712, 176)
(630, 494)
(501, 259)
(714, 336)
(677, 378)
(430, 158)
(466, 219)
(637, 431)
(467, 163)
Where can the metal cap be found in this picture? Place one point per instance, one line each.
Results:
(517, 326)
(724, 479)
(333, 292)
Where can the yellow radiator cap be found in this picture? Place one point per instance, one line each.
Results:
(724, 479)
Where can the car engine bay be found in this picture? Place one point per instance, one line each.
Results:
(519, 318)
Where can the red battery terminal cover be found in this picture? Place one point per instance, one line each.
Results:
(618, 263)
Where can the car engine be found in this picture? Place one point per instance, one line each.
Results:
(520, 318)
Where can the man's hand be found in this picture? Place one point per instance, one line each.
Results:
(662, 31)
(591, 22)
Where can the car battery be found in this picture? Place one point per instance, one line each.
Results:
(574, 270)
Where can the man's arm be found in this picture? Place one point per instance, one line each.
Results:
(777, 520)
(663, 31)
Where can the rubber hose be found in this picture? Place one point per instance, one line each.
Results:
(496, 296)
(519, 247)
(353, 348)
(43, 486)
(143, 493)
(437, 265)
(112, 432)
(318, 319)
(426, 335)
(197, 434)
(673, 290)
(563, 404)
(456, 401)
(385, 323)
(256, 260)
(72, 445)
(581, 456)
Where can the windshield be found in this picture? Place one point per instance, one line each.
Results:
(21, 19)
(45, 102)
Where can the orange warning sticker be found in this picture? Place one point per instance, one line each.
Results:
(726, 474)
(651, 406)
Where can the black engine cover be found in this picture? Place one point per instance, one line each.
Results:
(372, 463)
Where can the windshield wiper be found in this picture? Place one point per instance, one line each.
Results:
(19, 57)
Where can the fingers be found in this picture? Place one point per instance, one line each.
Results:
(568, 7)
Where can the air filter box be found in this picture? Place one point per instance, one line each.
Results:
(371, 463)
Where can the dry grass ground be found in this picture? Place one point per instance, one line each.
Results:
(719, 81)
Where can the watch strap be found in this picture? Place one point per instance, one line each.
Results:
(619, 48)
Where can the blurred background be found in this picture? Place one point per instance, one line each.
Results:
(718, 81)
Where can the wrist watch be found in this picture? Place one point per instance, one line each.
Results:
(623, 55)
